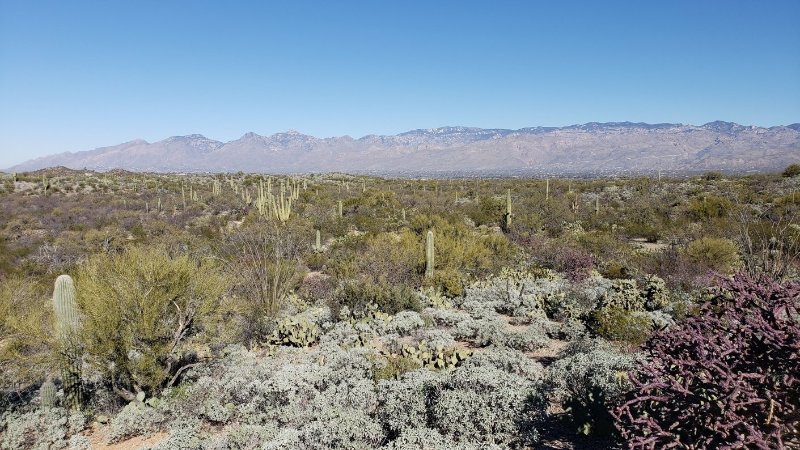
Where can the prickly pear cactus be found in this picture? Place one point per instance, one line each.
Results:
(67, 327)
(294, 333)
(432, 358)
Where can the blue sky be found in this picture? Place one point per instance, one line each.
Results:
(83, 74)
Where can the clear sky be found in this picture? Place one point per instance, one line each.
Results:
(75, 75)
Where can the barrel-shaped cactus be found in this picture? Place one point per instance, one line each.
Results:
(67, 327)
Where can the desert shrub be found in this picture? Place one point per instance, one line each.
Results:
(448, 281)
(394, 258)
(481, 332)
(182, 434)
(507, 360)
(141, 309)
(709, 207)
(726, 377)
(403, 403)
(576, 264)
(514, 293)
(792, 170)
(435, 338)
(484, 404)
(135, 419)
(462, 249)
(25, 333)
(419, 438)
(404, 322)
(588, 378)
(336, 427)
(388, 298)
(265, 263)
(622, 325)
(40, 428)
(445, 317)
(527, 339)
(579, 299)
(716, 254)
(395, 366)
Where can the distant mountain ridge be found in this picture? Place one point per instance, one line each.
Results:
(590, 148)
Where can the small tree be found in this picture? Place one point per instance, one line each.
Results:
(141, 309)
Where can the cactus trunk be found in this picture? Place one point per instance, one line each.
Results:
(67, 325)
(429, 261)
(507, 216)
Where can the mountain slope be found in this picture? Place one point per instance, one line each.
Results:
(616, 147)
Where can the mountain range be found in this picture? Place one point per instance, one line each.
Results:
(591, 148)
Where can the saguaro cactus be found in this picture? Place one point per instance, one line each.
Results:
(67, 327)
(429, 255)
(340, 208)
(318, 242)
(507, 216)
(47, 393)
(547, 189)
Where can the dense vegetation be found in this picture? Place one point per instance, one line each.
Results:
(248, 311)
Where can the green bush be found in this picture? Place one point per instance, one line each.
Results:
(709, 207)
(792, 170)
(359, 296)
(622, 325)
(717, 254)
(26, 334)
(142, 310)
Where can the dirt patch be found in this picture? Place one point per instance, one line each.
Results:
(97, 437)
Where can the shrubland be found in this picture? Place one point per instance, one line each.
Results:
(338, 311)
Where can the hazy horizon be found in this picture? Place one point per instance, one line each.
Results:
(83, 75)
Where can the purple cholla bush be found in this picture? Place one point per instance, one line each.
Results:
(728, 377)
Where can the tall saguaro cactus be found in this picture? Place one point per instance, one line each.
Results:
(67, 327)
(507, 215)
(429, 255)
(318, 242)
(547, 189)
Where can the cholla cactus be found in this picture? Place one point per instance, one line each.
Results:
(67, 327)
(654, 293)
(623, 294)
